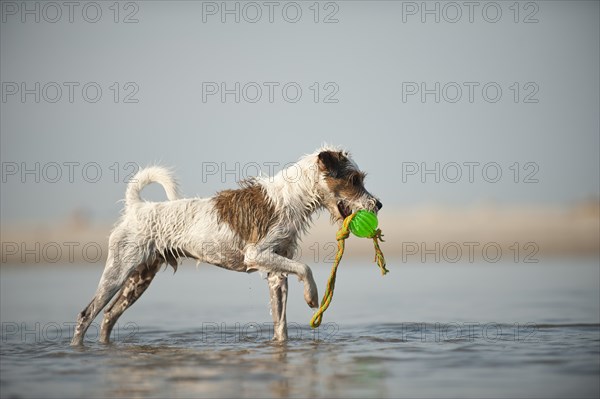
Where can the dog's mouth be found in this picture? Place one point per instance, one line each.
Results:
(344, 209)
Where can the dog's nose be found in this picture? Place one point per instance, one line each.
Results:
(379, 205)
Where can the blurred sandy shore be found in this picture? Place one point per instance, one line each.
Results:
(417, 234)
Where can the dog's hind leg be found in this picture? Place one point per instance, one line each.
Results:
(137, 282)
(118, 267)
(278, 286)
(107, 288)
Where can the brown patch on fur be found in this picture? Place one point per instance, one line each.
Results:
(342, 179)
(344, 188)
(246, 211)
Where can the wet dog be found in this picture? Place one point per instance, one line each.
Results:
(253, 228)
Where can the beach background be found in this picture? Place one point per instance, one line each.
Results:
(491, 232)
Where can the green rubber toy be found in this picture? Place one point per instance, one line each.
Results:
(364, 224)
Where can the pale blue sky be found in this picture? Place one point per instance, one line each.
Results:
(370, 55)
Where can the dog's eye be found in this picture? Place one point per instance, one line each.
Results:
(356, 180)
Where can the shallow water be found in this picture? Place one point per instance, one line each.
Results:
(424, 330)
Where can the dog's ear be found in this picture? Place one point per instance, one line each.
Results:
(330, 161)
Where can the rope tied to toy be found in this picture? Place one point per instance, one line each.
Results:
(341, 236)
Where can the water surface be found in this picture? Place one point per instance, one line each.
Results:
(424, 330)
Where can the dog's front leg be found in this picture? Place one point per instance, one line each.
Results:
(270, 262)
(278, 285)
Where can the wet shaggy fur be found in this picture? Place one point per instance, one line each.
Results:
(256, 227)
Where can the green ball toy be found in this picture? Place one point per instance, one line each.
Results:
(364, 224)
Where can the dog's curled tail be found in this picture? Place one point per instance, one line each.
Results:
(152, 174)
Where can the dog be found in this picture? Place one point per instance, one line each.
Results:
(253, 228)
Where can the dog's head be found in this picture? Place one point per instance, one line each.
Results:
(341, 185)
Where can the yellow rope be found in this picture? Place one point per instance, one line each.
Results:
(342, 234)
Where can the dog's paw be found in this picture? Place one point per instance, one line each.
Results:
(311, 294)
(313, 303)
(312, 297)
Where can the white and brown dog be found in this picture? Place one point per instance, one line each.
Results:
(255, 227)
